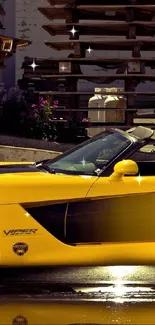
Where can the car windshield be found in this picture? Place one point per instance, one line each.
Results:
(92, 156)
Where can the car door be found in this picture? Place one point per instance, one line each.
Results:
(98, 218)
(124, 209)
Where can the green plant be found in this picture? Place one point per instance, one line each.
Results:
(37, 120)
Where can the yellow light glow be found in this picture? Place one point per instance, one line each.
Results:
(27, 214)
(139, 179)
(7, 45)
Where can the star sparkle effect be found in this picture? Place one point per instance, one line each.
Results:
(89, 50)
(33, 65)
(139, 179)
(63, 68)
(83, 162)
(27, 214)
(73, 31)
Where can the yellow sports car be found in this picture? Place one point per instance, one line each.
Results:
(93, 205)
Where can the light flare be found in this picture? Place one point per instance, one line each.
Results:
(63, 68)
(83, 162)
(33, 65)
(27, 214)
(89, 50)
(139, 179)
(73, 31)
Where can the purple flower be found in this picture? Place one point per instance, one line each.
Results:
(41, 99)
(85, 120)
(45, 102)
(33, 105)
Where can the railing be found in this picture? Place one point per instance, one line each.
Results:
(139, 119)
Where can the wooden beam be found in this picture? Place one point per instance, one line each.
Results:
(71, 16)
(141, 13)
(99, 2)
(104, 76)
(132, 32)
(138, 77)
(146, 44)
(78, 51)
(136, 52)
(87, 60)
(144, 7)
(129, 14)
(86, 93)
(102, 28)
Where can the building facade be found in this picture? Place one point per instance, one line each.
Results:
(9, 43)
(24, 21)
(9, 25)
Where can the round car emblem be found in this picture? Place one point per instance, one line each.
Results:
(20, 320)
(20, 248)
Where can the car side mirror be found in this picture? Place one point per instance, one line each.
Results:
(122, 168)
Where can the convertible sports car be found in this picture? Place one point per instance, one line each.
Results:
(93, 205)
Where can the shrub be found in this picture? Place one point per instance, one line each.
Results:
(37, 122)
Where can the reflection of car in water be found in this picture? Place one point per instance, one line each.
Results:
(52, 211)
(115, 303)
(79, 313)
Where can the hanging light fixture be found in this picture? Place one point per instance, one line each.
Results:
(65, 67)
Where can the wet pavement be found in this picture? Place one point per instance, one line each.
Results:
(90, 295)
(82, 275)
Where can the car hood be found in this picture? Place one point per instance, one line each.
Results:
(13, 163)
(17, 167)
(25, 183)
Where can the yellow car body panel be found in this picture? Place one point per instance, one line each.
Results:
(69, 212)
(45, 249)
(6, 163)
(42, 187)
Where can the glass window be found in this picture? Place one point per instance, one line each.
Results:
(146, 153)
(145, 159)
(93, 155)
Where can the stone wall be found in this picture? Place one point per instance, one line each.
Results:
(12, 154)
(22, 149)
(36, 144)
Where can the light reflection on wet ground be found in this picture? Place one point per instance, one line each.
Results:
(86, 275)
(102, 295)
(114, 283)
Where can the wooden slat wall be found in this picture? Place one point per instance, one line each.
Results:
(132, 19)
